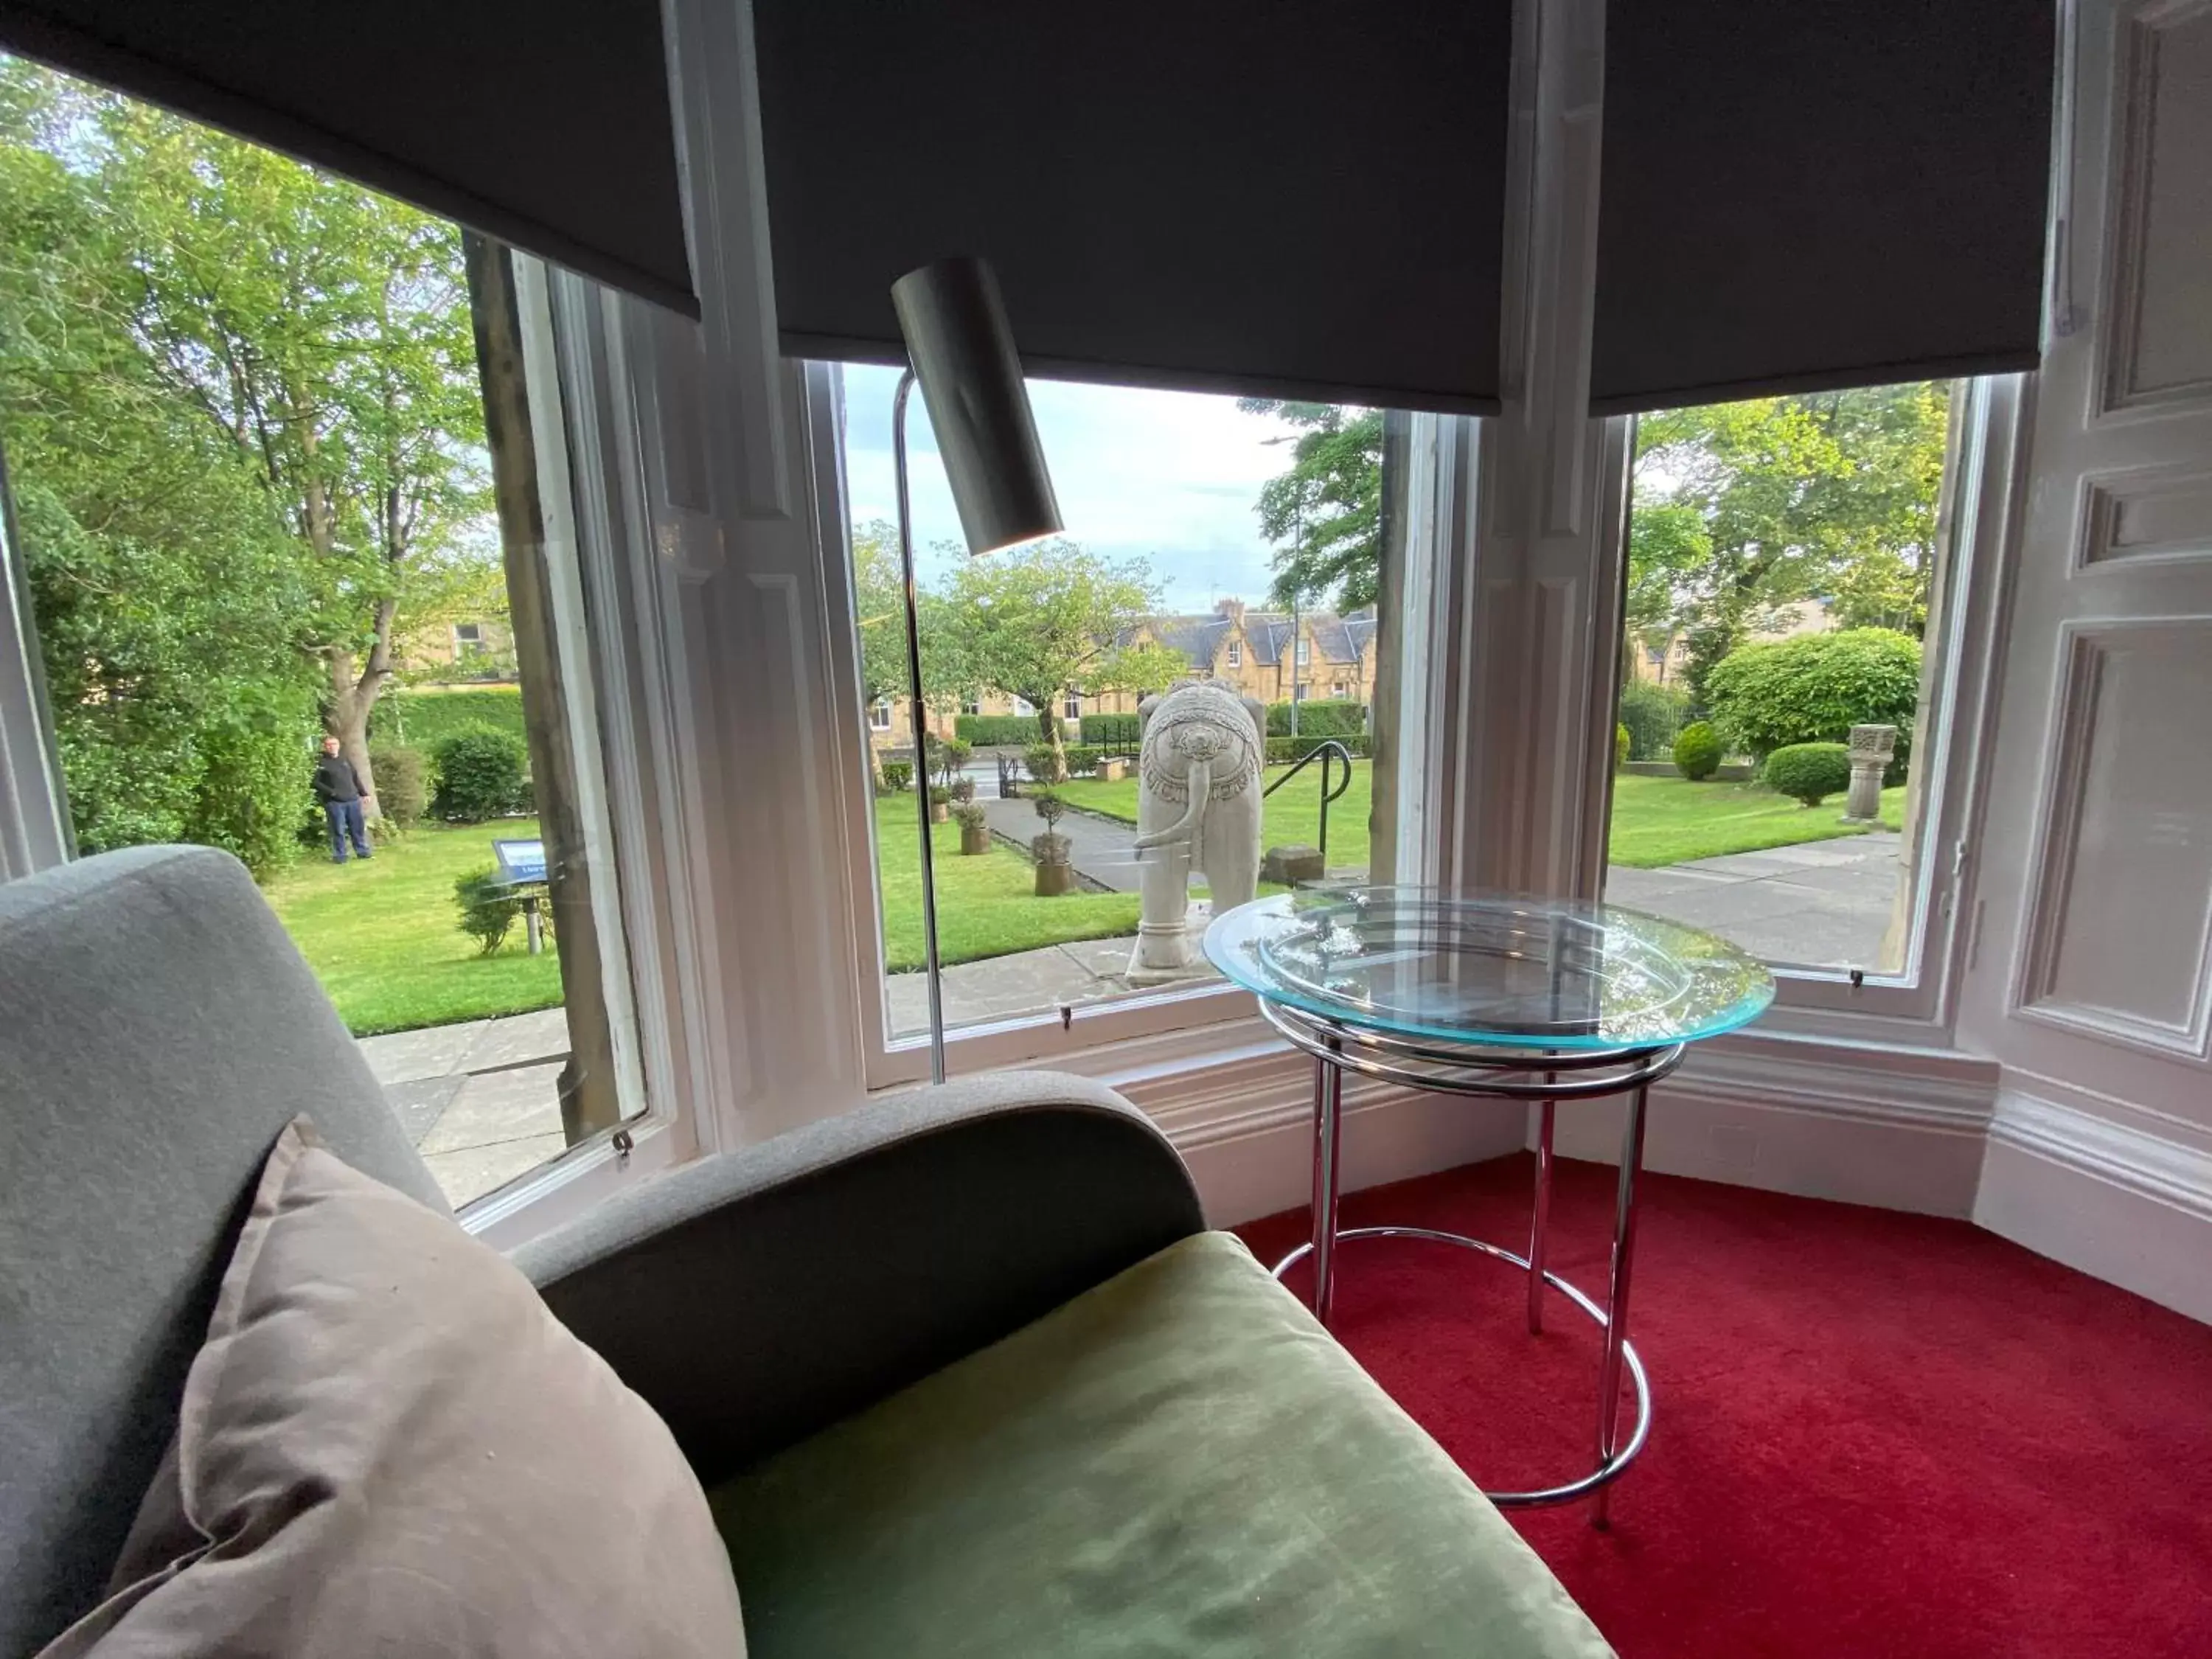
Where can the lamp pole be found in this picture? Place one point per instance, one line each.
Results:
(920, 723)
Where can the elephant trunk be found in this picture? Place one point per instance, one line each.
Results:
(1201, 781)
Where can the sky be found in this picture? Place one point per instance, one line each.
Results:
(1171, 477)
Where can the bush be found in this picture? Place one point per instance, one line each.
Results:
(1005, 730)
(1810, 772)
(1083, 759)
(1049, 807)
(1115, 732)
(896, 776)
(964, 789)
(946, 756)
(968, 815)
(939, 795)
(1319, 718)
(1814, 688)
(1283, 749)
(423, 719)
(489, 908)
(1698, 751)
(1620, 747)
(403, 783)
(1653, 715)
(1042, 762)
(481, 774)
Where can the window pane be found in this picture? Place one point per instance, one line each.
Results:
(260, 505)
(1207, 540)
(1784, 561)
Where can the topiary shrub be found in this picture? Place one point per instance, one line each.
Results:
(1698, 751)
(1620, 747)
(480, 775)
(489, 908)
(403, 783)
(896, 776)
(1810, 772)
(1814, 688)
(1653, 715)
(1042, 762)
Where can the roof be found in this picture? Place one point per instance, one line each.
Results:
(1336, 639)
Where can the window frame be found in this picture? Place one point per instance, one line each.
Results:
(1236, 654)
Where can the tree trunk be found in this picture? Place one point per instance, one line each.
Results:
(1049, 731)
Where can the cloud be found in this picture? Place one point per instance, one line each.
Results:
(1171, 477)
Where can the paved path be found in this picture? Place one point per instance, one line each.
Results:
(1823, 902)
(477, 1098)
(1102, 850)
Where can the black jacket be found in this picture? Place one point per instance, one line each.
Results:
(335, 779)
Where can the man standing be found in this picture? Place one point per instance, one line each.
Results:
(337, 786)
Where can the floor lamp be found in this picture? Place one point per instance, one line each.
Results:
(961, 351)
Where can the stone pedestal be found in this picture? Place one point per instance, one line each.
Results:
(1114, 771)
(1288, 865)
(1871, 748)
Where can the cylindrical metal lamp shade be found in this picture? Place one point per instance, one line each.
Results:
(964, 357)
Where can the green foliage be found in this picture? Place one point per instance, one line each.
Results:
(964, 788)
(402, 784)
(1319, 718)
(488, 908)
(1620, 747)
(998, 731)
(1117, 732)
(1282, 750)
(1034, 623)
(1697, 751)
(941, 795)
(897, 776)
(1814, 688)
(1082, 759)
(947, 755)
(1809, 772)
(245, 432)
(1048, 805)
(1043, 761)
(968, 815)
(422, 720)
(1325, 514)
(480, 775)
(1653, 715)
(1740, 510)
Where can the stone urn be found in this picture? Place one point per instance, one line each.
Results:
(975, 839)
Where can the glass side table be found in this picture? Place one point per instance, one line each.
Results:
(1502, 999)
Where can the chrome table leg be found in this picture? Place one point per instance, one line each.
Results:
(1541, 1219)
(1328, 1114)
(1616, 1324)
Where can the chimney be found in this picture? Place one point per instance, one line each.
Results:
(1233, 609)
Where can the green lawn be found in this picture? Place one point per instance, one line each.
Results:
(987, 906)
(1663, 821)
(384, 937)
(1655, 821)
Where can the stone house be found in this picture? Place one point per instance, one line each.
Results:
(1665, 665)
(1258, 653)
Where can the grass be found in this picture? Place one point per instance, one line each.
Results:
(1655, 821)
(384, 937)
(987, 906)
(1663, 821)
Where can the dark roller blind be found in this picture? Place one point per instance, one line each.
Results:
(544, 124)
(1297, 199)
(1805, 194)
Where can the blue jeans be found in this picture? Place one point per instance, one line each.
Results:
(345, 820)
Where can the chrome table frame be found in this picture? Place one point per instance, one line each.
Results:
(1546, 1076)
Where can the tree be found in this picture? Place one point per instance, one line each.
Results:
(1049, 618)
(879, 615)
(1327, 507)
(1742, 508)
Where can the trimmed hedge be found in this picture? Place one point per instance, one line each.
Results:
(1653, 715)
(423, 719)
(1319, 718)
(1698, 751)
(1019, 731)
(403, 783)
(1283, 749)
(483, 773)
(1809, 772)
(1814, 688)
(1115, 731)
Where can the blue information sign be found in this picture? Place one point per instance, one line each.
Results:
(519, 861)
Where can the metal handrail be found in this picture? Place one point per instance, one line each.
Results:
(1327, 750)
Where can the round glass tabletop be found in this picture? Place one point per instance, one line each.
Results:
(1489, 970)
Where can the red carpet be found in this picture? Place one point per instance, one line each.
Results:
(1874, 1435)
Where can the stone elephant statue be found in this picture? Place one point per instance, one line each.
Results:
(1198, 809)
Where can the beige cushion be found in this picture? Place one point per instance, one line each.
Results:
(388, 1445)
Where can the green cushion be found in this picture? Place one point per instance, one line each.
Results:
(1180, 1462)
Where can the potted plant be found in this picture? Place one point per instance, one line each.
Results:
(964, 789)
(1054, 874)
(974, 834)
(940, 802)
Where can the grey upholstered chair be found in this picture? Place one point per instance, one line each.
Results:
(157, 1030)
